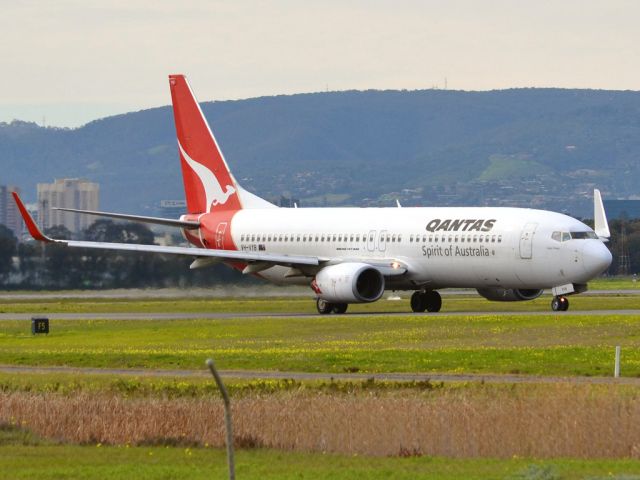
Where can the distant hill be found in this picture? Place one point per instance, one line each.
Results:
(541, 147)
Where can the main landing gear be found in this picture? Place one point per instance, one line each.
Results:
(325, 307)
(431, 301)
(560, 304)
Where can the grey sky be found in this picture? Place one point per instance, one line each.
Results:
(74, 61)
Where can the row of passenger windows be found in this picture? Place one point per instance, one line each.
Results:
(324, 237)
(389, 238)
(468, 238)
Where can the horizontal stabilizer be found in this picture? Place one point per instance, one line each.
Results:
(169, 222)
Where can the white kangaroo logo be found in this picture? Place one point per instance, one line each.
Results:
(212, 189)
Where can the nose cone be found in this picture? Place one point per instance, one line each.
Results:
(596, 258)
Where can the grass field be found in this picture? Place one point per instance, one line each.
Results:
(541, 344)
(111, 463)
(583, 421)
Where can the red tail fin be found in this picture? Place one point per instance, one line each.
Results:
(208, 183)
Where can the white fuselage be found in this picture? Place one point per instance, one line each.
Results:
(478, 247)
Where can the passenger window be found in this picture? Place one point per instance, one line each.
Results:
(411, 238)
(399, 237)
(462, 239)
(456, 238)
(499, 238)
(357, 238)
(475, 238)
(425, 238)
(393, 238)
(493, 239)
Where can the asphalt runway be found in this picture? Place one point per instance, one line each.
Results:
(300, 376)
(231, 291)
(230, 315)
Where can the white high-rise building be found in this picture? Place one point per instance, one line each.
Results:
(67, 193)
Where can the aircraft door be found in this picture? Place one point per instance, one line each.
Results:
(220, 231)
(382, 242)
(526, 240)
(371, 241)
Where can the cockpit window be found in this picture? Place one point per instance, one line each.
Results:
(566, 236)
(583, 235)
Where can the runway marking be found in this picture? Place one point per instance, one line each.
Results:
(304, 376)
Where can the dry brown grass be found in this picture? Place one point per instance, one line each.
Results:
(544, 422)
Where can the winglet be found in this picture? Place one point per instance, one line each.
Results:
(28, 220)
(601, 226)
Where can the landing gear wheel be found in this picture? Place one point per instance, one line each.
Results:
(323, 306)
(433, 301)
(418, 303)
(340, 307)
(560, 304)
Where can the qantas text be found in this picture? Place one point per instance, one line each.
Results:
(460, 225)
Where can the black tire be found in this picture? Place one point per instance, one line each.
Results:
(433, 301)
(418, 303)
(556, 306)
(564, 304)
(324, 307)
(340, 308)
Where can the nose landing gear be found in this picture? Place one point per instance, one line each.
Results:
(560, 304)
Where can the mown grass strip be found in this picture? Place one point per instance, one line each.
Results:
(542, 344)
(115, 463)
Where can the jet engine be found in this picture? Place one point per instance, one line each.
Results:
(349, 283)
(498, 294)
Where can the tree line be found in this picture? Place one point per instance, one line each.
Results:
(35, 265)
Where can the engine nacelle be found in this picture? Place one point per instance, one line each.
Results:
(497, 294)
(349, 283)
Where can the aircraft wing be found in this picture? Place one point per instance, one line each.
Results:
(225, 255)
(260, 260)
(137, 218)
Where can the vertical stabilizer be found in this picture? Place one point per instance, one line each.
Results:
(601, 227)
(208, 183)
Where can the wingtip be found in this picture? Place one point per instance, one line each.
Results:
(28, 220)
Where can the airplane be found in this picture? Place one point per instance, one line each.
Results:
(352, 255)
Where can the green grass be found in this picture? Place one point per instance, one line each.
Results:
(542, 344)
(508, 166)
(106, 463)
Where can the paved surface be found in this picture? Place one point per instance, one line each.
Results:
(230, 291)
(229, 315)
(274, 375)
